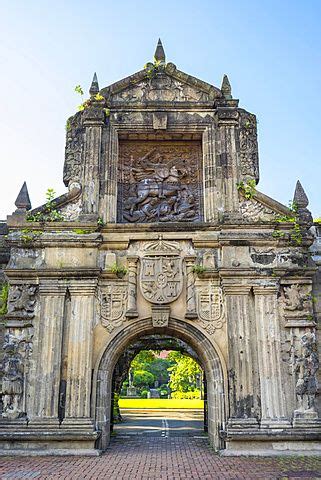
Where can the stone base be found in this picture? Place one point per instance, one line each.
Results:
(280, 440)
(46, 437)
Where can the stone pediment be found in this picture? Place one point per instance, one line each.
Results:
(167, 85)
(262, 208)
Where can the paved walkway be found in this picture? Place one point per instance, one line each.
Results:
(155, 449)
(153, 458)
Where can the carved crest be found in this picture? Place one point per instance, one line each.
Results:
(161, 277)
(210, 307)
(112, 306)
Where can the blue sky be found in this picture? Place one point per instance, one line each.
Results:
(271, 51)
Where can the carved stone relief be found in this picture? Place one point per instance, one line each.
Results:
(73, 150)
(252, 210)
(161, 88)
(161, 278)
(17, 348)
(159, 181)
(71, 211)
(113, 301)
(306, 367)
(295, 300)
(248, 145)
(22, 300)
(210, 307)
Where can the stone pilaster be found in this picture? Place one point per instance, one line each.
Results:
(49, 338)
(79, 358)
(132, 287)
(242, 356)
(190, 288)
(273, 408)
(93, 123)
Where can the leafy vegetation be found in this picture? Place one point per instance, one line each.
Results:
(4, 298)
(153, 68)
(49, 213)
(296, 231)
(198, 269)
(119, 270)
(248, 189)
(177, 375)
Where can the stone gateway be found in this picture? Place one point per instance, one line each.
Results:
(162, 234)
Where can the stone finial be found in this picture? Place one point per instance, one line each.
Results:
(300, 197)
(159, 52)
(226, 88)
(23, 200)
(301, 202)
(94, 87)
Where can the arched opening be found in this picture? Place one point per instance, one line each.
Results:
(192, 338)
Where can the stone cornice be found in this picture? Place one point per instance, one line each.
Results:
(82, 287)
(28, 274)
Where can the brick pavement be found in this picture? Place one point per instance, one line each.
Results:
(151, 458)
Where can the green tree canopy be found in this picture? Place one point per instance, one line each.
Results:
(184, 372)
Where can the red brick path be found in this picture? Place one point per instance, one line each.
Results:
(152, 458)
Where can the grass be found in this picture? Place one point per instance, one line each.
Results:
(159, 403)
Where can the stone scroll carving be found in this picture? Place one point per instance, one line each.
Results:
(17, 348)
(306, 367)
(161, 278)
(159, 182)
(210, 308)
(22, 300)
(113, 301)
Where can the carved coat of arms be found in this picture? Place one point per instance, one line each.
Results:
(112, 306)
(211, 308)
(161, 277)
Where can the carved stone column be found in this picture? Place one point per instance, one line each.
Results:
(79, 357)
(244, 409)
(48, 336)
(273, 409)
(190, 288)
(132, 287)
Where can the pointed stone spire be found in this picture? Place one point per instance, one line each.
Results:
(23, 200)
(226, 88)
(94, 88)
(159, 52)
(300, 197)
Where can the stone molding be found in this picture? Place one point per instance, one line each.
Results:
(83, 288)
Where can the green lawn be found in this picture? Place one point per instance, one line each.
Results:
(159, 403)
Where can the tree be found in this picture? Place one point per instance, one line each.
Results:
(142, 378)
(184, 373)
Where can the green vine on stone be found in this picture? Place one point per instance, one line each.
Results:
(247, 189)
(296, 231)
(4, 293)
(49, 212)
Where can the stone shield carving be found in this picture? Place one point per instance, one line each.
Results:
(112, 306)
(161, 278)
(210, 308)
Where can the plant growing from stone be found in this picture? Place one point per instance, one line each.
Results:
(247, 189)
(118, 270)
(296, 231)
(4, 298)
(49, 212)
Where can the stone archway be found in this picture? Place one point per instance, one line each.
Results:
(209, 355)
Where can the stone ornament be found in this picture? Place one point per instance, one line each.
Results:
(73, 150)
(296, 300)
(210, 308)
(254, 211)
(16, 348)
(113, 301)
(159, 182)
(161, 278)
(160, 316)
(306, 367)
(22, 300)
(248, 145)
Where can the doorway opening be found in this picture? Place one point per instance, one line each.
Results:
(113, 365)
(159, 389)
